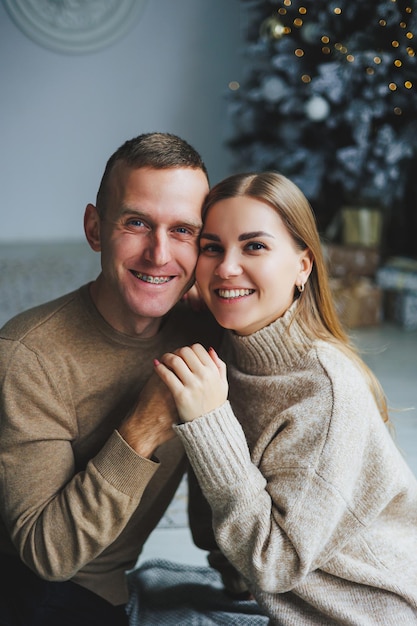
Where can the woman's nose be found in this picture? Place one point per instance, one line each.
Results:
(229, 266)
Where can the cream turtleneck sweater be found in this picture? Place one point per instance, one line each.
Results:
(312, 501)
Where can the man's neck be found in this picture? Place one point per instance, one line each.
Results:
(138, 327)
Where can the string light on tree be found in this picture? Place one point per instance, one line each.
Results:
(330, 97)
(273, 28)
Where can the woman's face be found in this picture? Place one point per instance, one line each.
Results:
(248, 265)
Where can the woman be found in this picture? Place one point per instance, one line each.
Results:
(311, 500)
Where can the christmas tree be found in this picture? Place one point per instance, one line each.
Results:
(329, 98)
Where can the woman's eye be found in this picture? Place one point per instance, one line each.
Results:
(211, 248)
(255, 245)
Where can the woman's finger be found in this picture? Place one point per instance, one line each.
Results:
(168, 376)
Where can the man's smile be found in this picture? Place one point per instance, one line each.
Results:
(156, 280)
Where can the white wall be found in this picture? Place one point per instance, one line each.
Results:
(61, 116)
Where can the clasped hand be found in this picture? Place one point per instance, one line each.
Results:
(196, 378)
(149, 423)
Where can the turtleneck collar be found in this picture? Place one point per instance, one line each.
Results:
(282, 344)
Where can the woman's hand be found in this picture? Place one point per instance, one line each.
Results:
(196, 378)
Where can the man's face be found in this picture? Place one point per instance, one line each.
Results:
(148, 238)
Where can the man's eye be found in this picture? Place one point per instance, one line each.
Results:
(135, 223)
(183, 230)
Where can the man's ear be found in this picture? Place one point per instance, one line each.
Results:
(92, 227)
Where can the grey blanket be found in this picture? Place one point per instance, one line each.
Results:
(163, 593)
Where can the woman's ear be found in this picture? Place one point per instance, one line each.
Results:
(306, 265)
(92, 227)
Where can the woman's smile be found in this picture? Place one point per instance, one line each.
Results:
(233, 294)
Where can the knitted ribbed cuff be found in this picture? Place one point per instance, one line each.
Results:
(216, 446)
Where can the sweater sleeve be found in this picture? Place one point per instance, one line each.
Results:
(201, 526)
(59, 516)
(232, 484)
(277, 525)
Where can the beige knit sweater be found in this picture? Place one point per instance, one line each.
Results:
(77, 502)
(312, 502)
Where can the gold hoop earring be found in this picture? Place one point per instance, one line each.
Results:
(300, 287)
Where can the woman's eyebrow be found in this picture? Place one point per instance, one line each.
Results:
(254, 234)
(242, 237)
(209, 236)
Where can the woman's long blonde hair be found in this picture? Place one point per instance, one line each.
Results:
(316, 312)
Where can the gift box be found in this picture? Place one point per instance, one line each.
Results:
(348, 261)
(361, 226)
(399, 274)
(398, 279)
(358, 301)
(401, 307)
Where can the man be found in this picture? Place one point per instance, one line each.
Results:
(86, 469)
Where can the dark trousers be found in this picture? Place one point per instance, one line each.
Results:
(27, 600)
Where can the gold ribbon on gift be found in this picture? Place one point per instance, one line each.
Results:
(362, 226)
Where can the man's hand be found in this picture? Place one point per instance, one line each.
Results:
(149, 424)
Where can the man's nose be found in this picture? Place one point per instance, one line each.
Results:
(158, 251)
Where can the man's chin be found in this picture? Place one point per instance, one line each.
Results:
(152, 300)
(156, 308)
